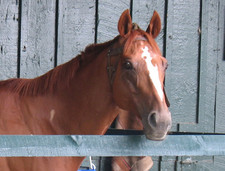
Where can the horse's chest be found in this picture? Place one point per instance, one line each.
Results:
(40, 163)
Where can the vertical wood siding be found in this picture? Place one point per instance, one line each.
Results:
(108, 15)
(142, 12)
(37, 35)
(182, 52)
(8, 38)
(220, 95)
(76, 28)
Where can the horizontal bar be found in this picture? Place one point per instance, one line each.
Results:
(110, 145)
(114, 131)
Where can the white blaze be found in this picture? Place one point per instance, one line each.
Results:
(52, 114)
(153, 71)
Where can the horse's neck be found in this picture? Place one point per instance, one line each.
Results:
(93, 107)
(85, 107)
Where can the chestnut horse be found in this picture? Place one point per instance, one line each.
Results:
(127, 120)
(84, 95)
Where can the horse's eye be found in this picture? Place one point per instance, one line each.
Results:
(128, 65)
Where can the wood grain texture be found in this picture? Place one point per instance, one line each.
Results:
(220, 93)
(156, 163)
(108, 16)
(167, 163)
(142, 13)
(208, 68)
(219, 163)
(196, 163)
(182, 54)
(111, 145)
(76, 27)
(37, 37)
(8, 38)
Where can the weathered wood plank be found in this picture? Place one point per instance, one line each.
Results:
(208, 69)
(37, 37)
(167, 163)
(76, 27)
(220, 94)
(211, 163)
(142, 13)
(182, 52)
(156, 163)
(96, 145)
(219, 163)
(108, 17)
(8, 38)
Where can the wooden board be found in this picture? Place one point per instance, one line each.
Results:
(37, 37)
(76, 28)
(220, 93)
(182, 53)
(208, 70)
(8, 38)
(108, 16)
(142, 12)
(106, 145)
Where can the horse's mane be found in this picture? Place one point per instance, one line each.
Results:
(59, 76)
(63, 74)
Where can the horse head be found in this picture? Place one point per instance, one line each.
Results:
(137, 82)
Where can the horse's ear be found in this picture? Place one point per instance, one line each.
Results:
(125, 23)
(155, 25)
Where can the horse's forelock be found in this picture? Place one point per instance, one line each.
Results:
(136, 35)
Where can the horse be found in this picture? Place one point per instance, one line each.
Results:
(125, 121)
(84, 95)
(129, 121)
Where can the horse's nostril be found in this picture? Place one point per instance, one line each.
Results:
(152, 119)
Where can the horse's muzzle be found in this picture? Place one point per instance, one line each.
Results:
(158, 125)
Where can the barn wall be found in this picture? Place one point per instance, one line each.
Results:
(35, 36)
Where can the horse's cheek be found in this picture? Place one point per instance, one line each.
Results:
(130, 80)
(121, 92)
